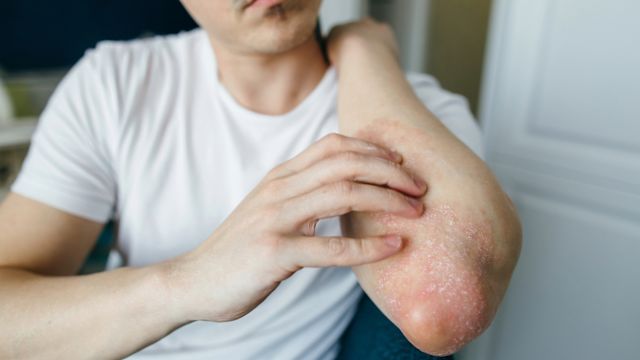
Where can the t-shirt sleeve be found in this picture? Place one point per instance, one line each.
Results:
(452, 110)
(69, 164)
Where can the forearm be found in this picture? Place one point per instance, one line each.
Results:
(378, 103)
(106, 315)
(443, 289)
(373, 87)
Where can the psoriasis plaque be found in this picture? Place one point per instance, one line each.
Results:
(447, 253)
(439, 271)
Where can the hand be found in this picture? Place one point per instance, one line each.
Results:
(271, 234)
(353, 36)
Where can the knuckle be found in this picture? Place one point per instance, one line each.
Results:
(274, 173)
(394, 167)
(334, 140)
(350, 165)
(344, 188)
(393, 164)
(350, 158)
(309, 227)
(336, 246)
(365, 248)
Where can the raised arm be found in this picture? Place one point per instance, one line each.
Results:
(442, 290)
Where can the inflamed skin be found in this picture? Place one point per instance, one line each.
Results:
(443, 288)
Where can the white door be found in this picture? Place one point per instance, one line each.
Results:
(561, 114)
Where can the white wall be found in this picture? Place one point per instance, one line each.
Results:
(335, 12)
(409, 19)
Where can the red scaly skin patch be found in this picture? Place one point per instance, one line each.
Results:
(440, 274)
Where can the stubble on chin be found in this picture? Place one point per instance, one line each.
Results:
(282, 26)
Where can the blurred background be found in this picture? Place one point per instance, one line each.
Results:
(556, 87)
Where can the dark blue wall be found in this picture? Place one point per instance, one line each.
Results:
(50, 34)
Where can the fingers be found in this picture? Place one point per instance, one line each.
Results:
(354, 166)
(330, 145)
(345, 196)
(302, 252)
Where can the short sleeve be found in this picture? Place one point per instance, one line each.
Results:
(452, 110)
(69, 164)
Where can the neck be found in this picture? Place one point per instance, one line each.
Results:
(272, 84)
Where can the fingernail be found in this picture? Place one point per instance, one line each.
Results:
(417, 204)
(393, 241)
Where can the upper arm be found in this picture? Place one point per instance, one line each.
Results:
(42, 239)
(71, 163)
(66, 189)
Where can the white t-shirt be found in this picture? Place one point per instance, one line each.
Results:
(143, 133)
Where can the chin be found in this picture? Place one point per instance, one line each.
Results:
(280, 39)
(281, 32)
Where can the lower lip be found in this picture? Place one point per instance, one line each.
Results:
(265, 3)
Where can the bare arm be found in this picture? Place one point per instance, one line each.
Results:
(44, 309)
(443, 289)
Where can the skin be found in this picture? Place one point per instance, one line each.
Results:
(268, 59)
(459, 240)
(53, 313)
(444, 287)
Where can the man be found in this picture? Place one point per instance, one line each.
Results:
(179, 139)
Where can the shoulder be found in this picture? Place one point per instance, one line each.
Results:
(452, 109)
(110, 79)
(136, 57)
(157, 45)
(134, 74)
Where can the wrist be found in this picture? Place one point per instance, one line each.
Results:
(365, 38)
(167, 280)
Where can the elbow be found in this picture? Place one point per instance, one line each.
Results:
(443, 325)
(445, 335)
(443, 322)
